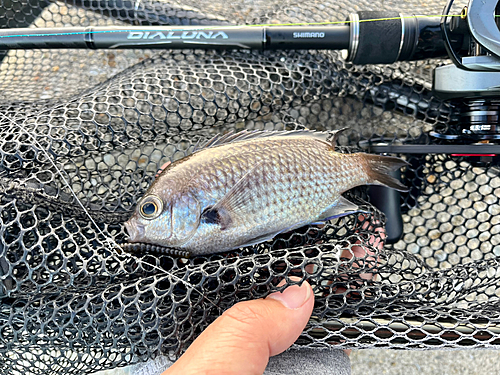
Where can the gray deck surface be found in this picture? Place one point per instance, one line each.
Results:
(396, 362)
(453, 362)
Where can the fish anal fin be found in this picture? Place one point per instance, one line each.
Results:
(341, 207)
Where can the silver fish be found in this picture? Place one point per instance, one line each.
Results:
(245, 188)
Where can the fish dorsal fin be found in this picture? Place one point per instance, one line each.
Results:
(231, 137)
(333, 136)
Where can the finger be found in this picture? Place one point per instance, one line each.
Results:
(242, 339)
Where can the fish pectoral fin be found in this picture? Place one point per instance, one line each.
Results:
(341, 207)
(237, 200)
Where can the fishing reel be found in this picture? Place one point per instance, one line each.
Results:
(472, 82)
(470, 85)
(466, 116)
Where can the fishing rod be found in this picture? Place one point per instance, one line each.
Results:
(471, 39)
(369, 37)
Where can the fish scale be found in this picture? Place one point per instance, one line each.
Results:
(246, 188)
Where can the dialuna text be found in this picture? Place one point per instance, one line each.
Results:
(182, 35)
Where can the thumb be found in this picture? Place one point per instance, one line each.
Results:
(242, 339)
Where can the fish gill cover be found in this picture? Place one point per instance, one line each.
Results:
(82, 134)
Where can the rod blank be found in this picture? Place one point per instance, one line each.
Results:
(179, 37)
(369, 37)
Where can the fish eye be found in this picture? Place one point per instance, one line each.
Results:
(151, 207)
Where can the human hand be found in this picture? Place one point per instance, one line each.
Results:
(245, 336)
(242, 339)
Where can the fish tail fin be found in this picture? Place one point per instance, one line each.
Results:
(380, 169)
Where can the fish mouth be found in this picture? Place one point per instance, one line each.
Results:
(135, 231)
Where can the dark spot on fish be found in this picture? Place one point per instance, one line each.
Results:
(210, 216)
(217, 216)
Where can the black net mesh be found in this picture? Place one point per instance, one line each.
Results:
(83, 133)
